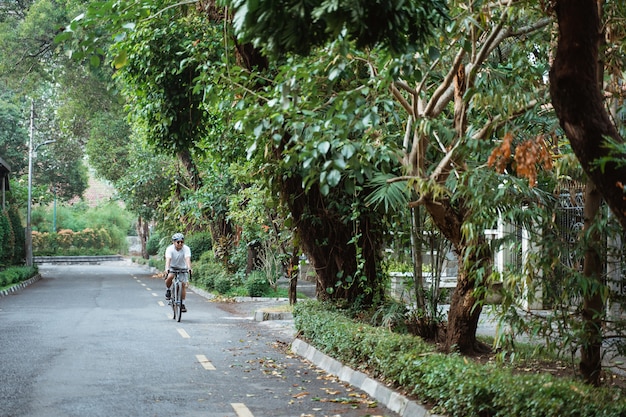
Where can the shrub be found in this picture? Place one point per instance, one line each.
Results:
(199, 243)
(223, 284)
(157, 263)
(16, 274)
(454, 385)
(7, 237)
(257, 284)
(205, 273)
(152, 245)
(18, 232)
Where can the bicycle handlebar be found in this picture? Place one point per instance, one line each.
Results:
(179, 271)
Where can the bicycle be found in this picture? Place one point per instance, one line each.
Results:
(176, 300)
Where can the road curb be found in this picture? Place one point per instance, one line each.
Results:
(264, 315)
(391, 399)
(20, 286)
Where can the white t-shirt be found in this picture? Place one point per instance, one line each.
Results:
(178, 256)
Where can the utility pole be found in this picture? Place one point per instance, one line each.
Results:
(29, 234)
(32, 152)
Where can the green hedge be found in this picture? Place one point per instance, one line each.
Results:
(18, 234)
(67, 242)
(7, 237)
(16, 274)
(456, 386)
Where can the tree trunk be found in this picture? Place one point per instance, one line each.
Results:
(593, 304)
(190, 167)
(473, 257)
(327, 240)
(578, 102)
(143, 232)
(292, 275)
(417, 229)
(223, 239)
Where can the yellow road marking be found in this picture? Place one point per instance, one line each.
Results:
(206, 364)
(241, 410)
(183, 333)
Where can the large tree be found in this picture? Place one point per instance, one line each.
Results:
(13, 134)
(448, 116)
(579, 104)
(31, 67)
(577, 90)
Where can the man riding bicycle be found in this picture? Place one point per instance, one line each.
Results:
(177, 257)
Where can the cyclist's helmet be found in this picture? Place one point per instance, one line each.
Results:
(177, 236)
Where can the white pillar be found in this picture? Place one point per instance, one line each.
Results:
(530, 301)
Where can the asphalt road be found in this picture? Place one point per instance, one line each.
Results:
(98, 340)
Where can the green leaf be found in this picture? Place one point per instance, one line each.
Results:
(340, 163)
(94, 61)
(323, 147)
(62, 37)
(120, 59)
(334, 74)
(433, 53)
(348, 150)
(333, 177)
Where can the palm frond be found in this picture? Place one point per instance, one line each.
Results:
(392, 195)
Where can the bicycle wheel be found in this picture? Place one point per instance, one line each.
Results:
(179, 300)
(173, 301)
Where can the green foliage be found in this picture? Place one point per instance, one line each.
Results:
(109, 217)
(158, 75)
(391, 315)
(257, 284)
(67, 242)
(324, 120)
(59, 170)
(145, 182)
(18, 234)
(207, 271)
(454, 385)
(206, 278)
(109, 142)
(13, 135)
(158, 263)
(223, 284)
(199, 243)
(114, 219)
(16, 274)
(294, 26)
(152, 245)
(7, 237)
(238, 259)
